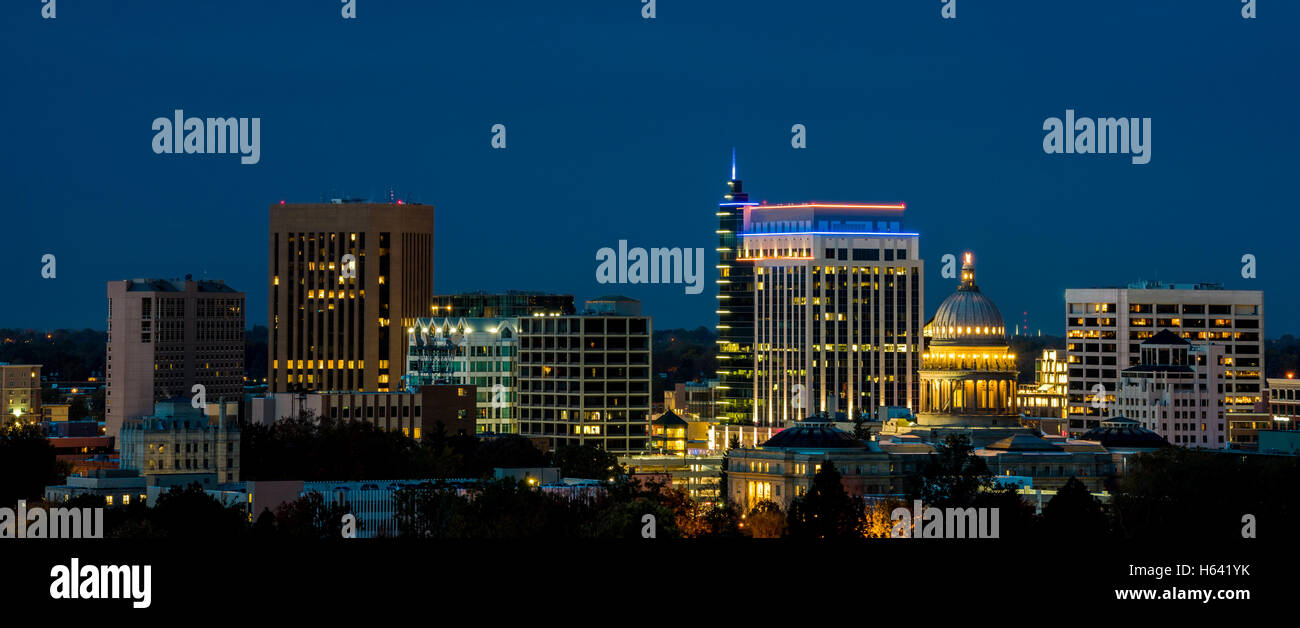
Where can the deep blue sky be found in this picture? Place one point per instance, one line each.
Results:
(622, 128)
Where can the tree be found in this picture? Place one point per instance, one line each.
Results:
(765, 520)
(309, 517)
(878, 521)
(860, 429)
(27, 463)
(190, 513)
(953, 477)
(1073, 513)
(429, 512)
(1016, 517)
(77, 410)
(616, 519)
(506, 451)
(1183, 494)
(827, 511)
(265, 525)
(696, 520)
(587, 461)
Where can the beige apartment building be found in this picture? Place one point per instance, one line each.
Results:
(347, 280)
(177, 439)
(20, 392)
(167, 335)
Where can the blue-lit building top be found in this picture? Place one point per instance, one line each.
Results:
(816, 218)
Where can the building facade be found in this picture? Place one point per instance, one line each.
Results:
(1177, 390)
(166, 336)
(1284, 398)
(346, 281)
(585, 380)
(510, 304)
(179, 439)
(838, 309)
(1106, 326)
(735, 308)
(414, 413)
(1279, 413)
(968, 373)
(1047, 397)
(20, 392)
(475, 351)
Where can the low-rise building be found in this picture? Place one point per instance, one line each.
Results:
(469, 351)
(698, 476)
(20, 392)
(179, 439)
(413, 413)
(1048, 395)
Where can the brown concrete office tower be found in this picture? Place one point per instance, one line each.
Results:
(346, 280)
(165, 336)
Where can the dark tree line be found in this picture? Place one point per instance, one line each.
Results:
(303, 448)
(27, 463)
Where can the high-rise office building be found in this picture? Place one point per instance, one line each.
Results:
(735, 309)
(838, 310)
(500, 305)
(1106, 326)
(164, 337)
(346, 282)
(585, 379)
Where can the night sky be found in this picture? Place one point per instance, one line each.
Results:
(620, 127)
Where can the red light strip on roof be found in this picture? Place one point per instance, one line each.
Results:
(816, 204)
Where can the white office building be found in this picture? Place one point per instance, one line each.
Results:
(839, 309)
(469, 351)
(1106, 326)
(1177, 391)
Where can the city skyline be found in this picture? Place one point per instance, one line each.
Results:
(605, 152)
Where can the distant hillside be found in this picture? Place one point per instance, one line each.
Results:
(70, 355)
(684, 355)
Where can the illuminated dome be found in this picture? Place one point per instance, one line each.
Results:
(967, 316)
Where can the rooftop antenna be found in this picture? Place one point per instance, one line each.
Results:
(733, 163)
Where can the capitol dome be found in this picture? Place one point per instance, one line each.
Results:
(967, 316)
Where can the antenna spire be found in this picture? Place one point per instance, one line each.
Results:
(733, 163)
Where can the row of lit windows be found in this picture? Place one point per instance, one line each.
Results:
(324, 364)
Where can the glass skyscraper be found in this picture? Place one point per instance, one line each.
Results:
(735, 309)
